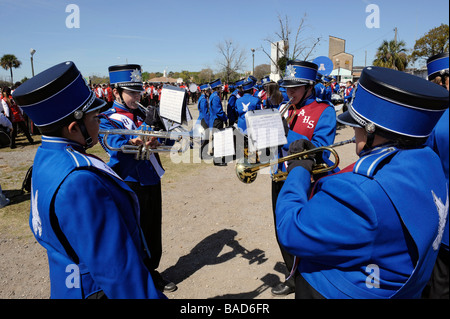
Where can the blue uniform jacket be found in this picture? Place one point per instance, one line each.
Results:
(128, 168)
(438, 141)
(284, 93)
(243, 105)
(372, 231)
(320, 91)
(216, 109)
(231, 106)
(324, 132)
(328, 93)
(87, 219)
(348, 98)
(203, 109)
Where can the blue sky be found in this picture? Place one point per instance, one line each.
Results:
(183, 35)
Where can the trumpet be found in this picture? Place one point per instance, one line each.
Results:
(286, 107)
(143, 152)
(247, 172)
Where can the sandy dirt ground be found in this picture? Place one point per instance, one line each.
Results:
(218, 233)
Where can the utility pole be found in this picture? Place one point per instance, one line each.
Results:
(395, 39)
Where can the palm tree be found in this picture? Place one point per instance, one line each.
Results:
(392, 55)
(9, 61)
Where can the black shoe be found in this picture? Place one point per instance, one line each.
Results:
(162, 284)
(220, 164)
(282, 289)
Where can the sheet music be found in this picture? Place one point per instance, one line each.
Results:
(223, 143)
(265, 129)
(172, 103)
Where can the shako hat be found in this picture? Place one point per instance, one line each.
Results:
(126, 76)
(239, 82)
(248, 84)
(252, 78)
(205, 87)
(319, 78)
(215, 83)
(437, 65)
(395, 104)
(266, 80)
(57, 96)
(299, 73)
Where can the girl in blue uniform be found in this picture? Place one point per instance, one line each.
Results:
(217, 117)
(246, 103)
(309, 118)
(374, 229)
(142, 176)
(82, 212)
(438, 72)
(202, 126)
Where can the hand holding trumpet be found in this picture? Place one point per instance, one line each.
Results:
(298, 147)
(152, 143)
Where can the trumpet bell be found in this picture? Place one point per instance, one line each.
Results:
(247, 172)
(244, 171)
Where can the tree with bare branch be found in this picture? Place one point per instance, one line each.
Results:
(293, 46)
(233, 58)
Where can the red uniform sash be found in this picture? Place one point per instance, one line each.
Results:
(306, 119)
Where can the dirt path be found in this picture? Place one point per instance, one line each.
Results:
(218, 233)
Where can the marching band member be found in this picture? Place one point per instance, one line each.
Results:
(274, 96)
(334, 85)
(203, 106)
(319, 87)
(231, 105)
(217, 117)
(263, 93)
(438, 286)
(203, 113)
(142, 176)
(312, 119)
(348, 94)
(246, 103)
(374, 229)
(81, 211)
(328, 89)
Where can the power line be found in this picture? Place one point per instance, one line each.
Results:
(365, 46)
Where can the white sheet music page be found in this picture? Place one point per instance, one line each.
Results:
(223, 143)
(171, 104)
(265, 128)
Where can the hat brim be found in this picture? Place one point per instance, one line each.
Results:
(289, 83)
(134, 88)
(98, 105)
(346, 119)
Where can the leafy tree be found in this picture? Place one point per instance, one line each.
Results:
(262, 70)
(8, 62)
(392, 55)
(205, 75)
(433, 42)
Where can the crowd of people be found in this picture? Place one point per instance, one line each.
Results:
(12, 119)
(375, 229)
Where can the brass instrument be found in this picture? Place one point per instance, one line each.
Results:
(286, 107)
(143, 152)
(247, 172)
